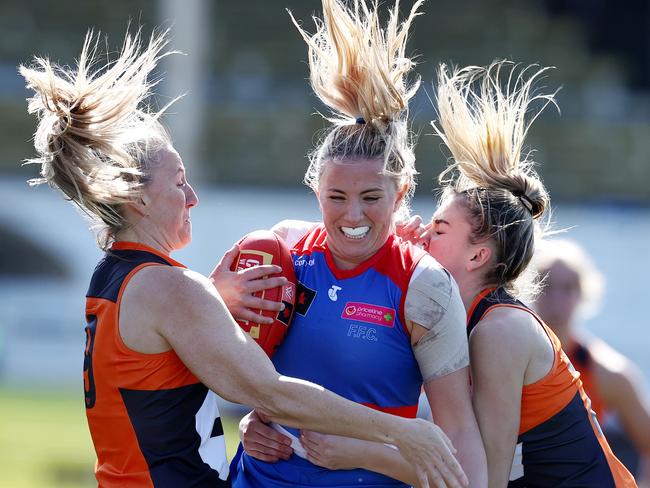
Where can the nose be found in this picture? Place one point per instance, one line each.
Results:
(354, 211)
(191, 198)
(427, 237)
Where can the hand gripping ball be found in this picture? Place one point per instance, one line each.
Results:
(265, 247)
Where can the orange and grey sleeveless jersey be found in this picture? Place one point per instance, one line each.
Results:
(560, 443)
(153, 423)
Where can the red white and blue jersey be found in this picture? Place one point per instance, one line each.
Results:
(560, 443)
(348, 334)
(153, 423)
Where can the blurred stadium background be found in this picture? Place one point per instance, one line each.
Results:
(244, 128)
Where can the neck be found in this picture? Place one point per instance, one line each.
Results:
(469, 290)
(347, 264)
(133, 234)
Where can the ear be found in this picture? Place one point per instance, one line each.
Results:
(400, 196)
(139, 205)
(481, 256)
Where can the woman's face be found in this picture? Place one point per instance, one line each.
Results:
(450, 236)
(358, 203)
(560, 297)
(168, 198)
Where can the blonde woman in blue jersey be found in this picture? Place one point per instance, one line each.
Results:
(376, 318)
(535, 419)
(160, 341)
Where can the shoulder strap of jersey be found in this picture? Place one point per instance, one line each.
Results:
(487, 300)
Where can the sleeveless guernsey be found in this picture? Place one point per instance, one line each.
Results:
(560, 443)
(348, 335)
(152, 422)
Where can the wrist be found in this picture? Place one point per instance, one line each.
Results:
(394, 430)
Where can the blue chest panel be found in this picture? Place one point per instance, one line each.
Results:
(347, 335)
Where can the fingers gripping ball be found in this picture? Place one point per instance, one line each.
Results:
(263, 247)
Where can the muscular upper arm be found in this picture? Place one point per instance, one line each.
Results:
(292, 230)
(435, 312)
(499, 357)
(186, 310)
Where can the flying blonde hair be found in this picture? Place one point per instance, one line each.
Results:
(96, 136)
(359, 70)
(484, 118)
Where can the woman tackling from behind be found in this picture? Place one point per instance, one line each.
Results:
(159, 336)
(375, 317)
(534, 417)
(533, 414)
(571, 291)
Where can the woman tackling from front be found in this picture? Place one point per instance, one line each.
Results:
(534, 417)
(158, 335)
(375, 317)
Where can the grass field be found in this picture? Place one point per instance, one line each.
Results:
(45, 443)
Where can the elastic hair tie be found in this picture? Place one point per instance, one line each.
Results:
(359, 120)
(525, 201)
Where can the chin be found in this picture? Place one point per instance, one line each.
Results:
(183, 242)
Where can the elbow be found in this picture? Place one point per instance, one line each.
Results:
(266, 395)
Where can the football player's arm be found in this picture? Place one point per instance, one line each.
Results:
(436, 316)
(185, 310)
(337, 452)
(498, 360)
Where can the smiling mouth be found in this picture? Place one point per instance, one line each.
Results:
(355, 233)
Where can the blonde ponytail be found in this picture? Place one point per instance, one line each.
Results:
(96, 136)
(484, 115)
(359, 70)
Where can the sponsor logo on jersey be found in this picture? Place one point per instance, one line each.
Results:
(364, 332)
(304, 298)
(372, 314)
(303, 261)
(332, 292)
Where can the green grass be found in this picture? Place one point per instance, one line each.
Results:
(45, 443)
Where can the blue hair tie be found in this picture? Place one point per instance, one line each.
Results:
(359, 120)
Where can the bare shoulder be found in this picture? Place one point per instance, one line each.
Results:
(158, 295)
(508, 335)
(500, 347)
(155, 285)
(508, 325)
